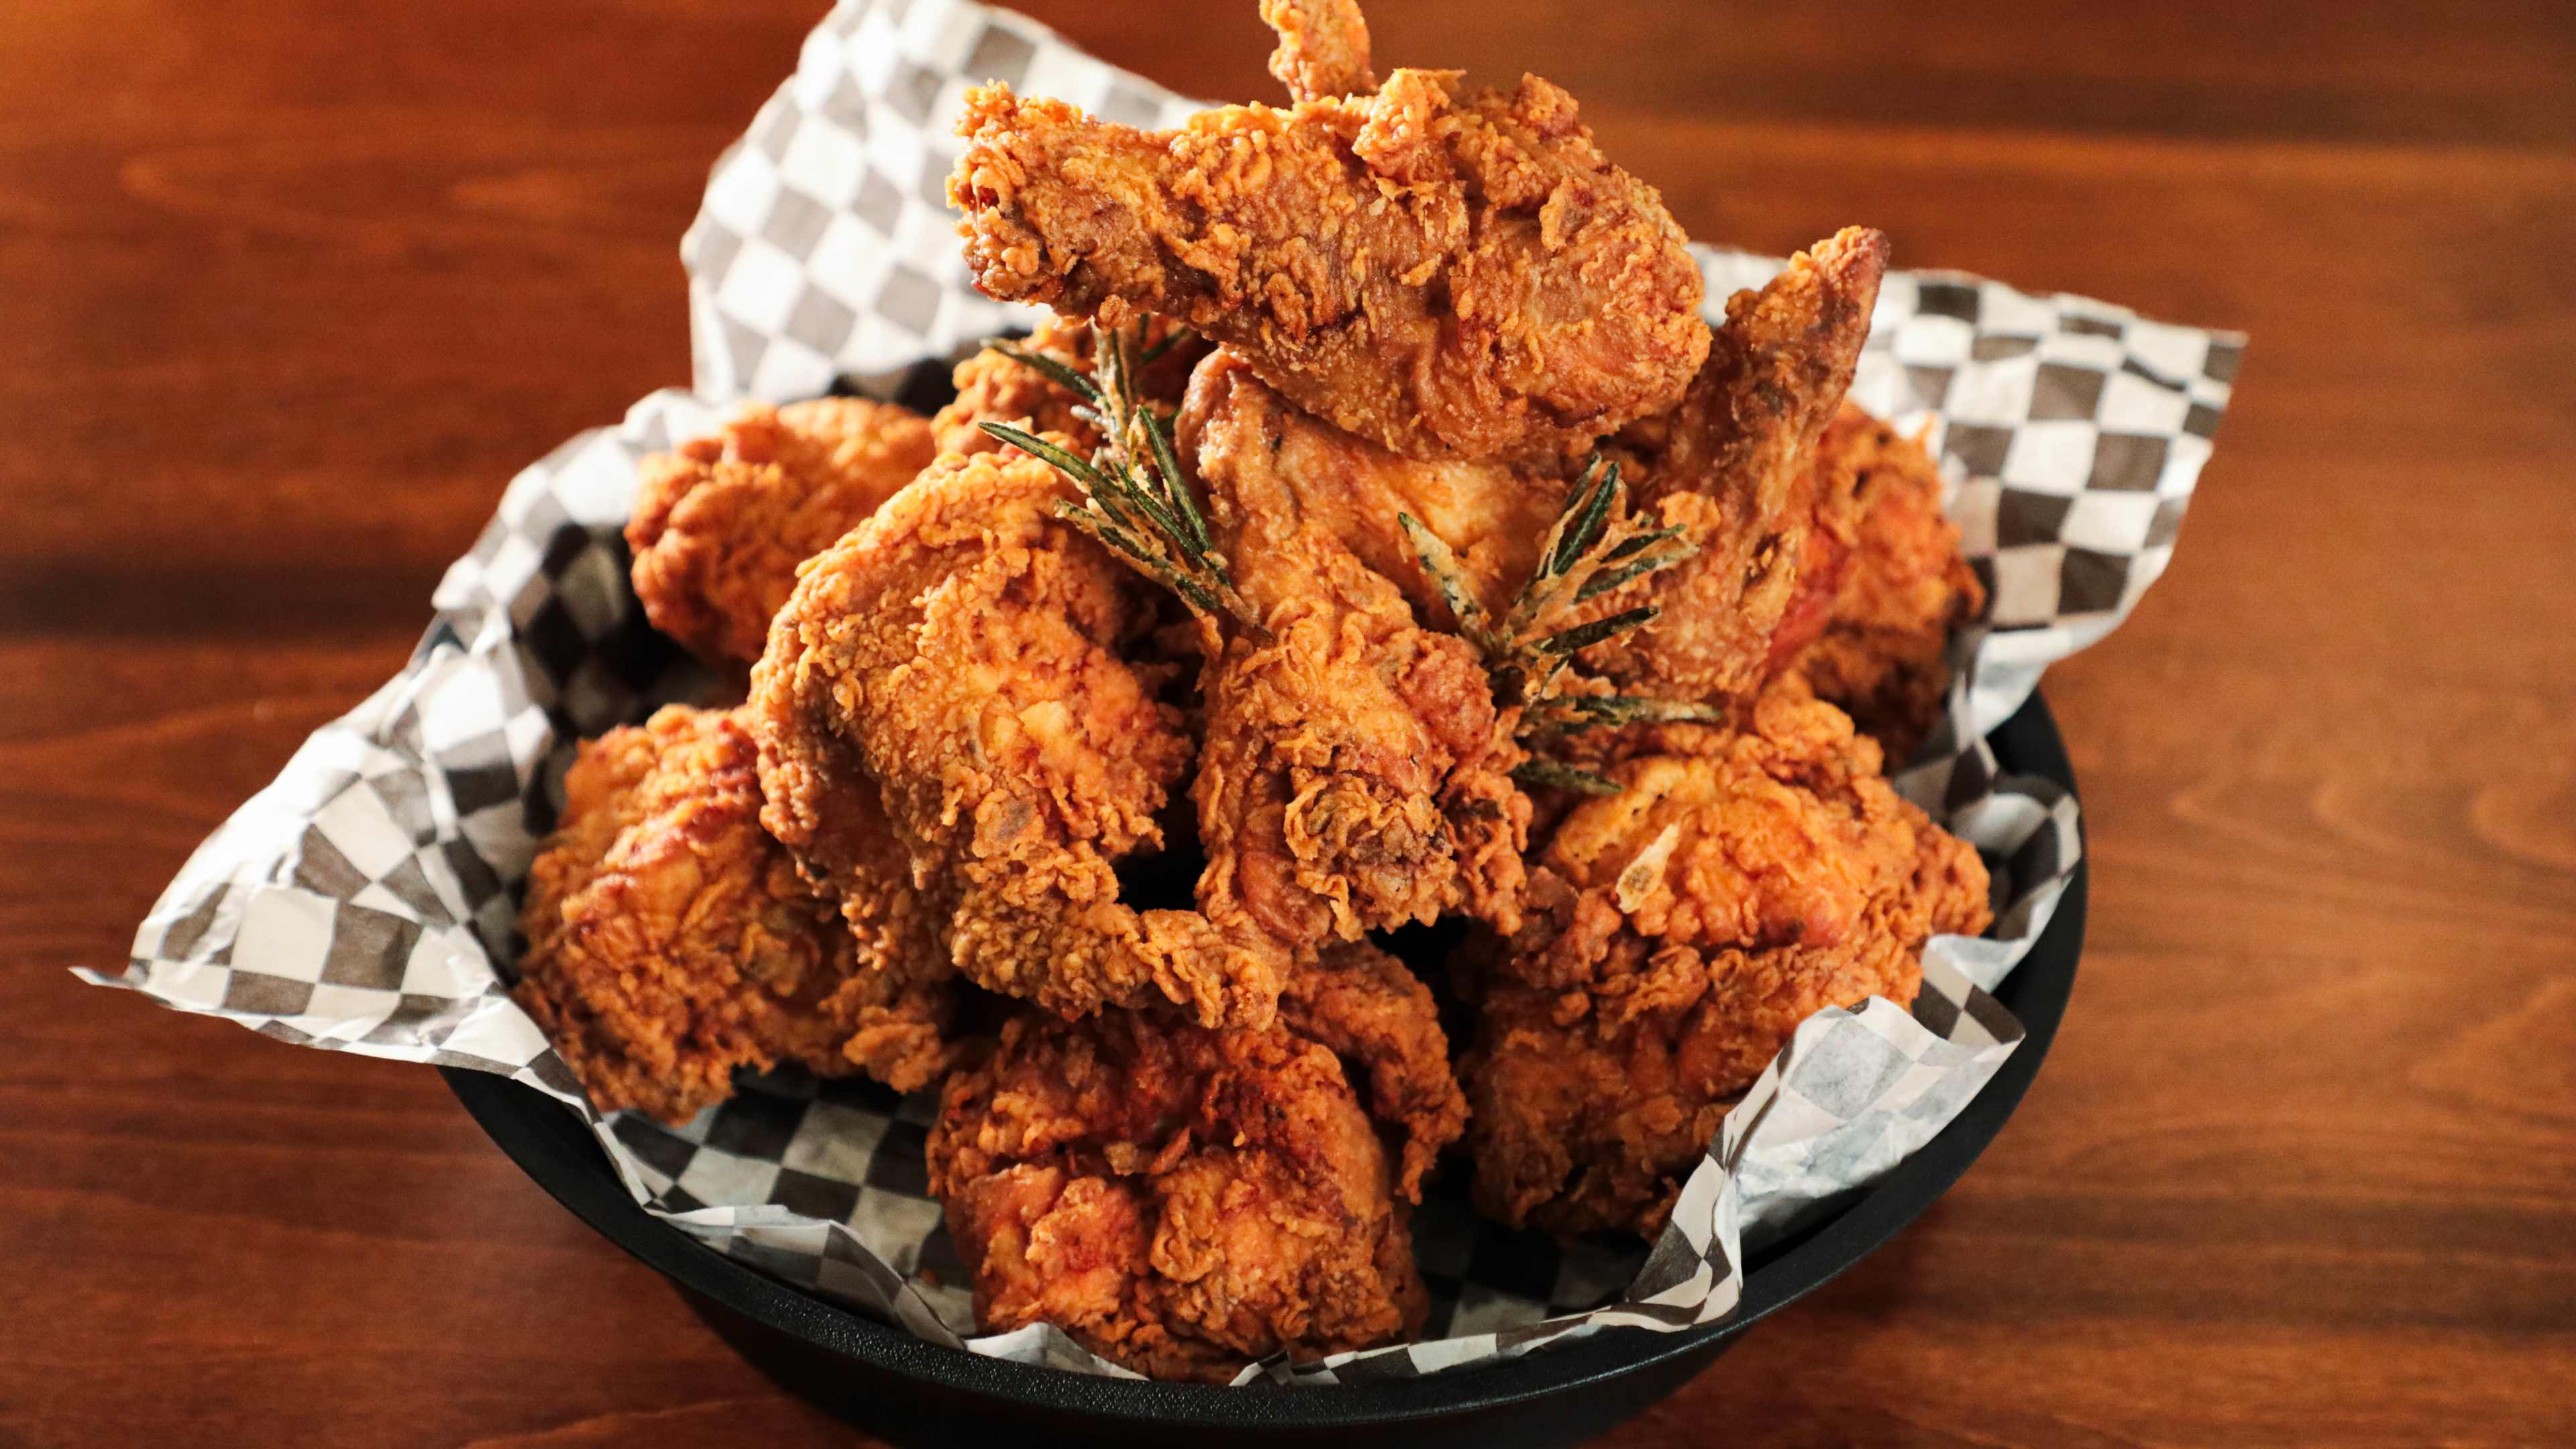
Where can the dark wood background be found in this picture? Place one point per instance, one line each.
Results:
(289, 289)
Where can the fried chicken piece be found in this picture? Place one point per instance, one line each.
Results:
(1365, 1006)
(670, 941)
(1323, 48)
(994, 387)
(721, 523)
(956, 661)
(1355, 772)
(1900, 585)
(1183, 1201)
(1680, 931)
(902, 1009)
(1450, 273)
(1730, 466)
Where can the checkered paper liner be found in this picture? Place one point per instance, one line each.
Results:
(365, 901)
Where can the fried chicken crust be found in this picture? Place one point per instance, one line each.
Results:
(956, 662)
(1442, 271)
(1492, 516)
(1355, 772)
(1731, 466)
(994, 387)
(670, 940)
(721, 522)
(1323, 48)
(1376, 1015)
(1680, 931)
(1898, 587)
(1183, 1201)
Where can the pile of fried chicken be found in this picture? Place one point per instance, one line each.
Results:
(1378, 481)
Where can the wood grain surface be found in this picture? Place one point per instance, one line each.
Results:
(288, 289)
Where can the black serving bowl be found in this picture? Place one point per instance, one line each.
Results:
(917, 1393)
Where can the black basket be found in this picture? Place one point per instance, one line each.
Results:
(913, 1392)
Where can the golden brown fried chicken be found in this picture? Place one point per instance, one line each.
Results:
(1443, 271)
(1381, 1020)
(721, 523)
(1183, 1201)
(1899, 585)
(902, 1010)
(956, 661)
(1323, 48)
(1680, 931)
(1492, 516)
(996, 388)
(670, 941)
(1730, 466)
(1355, 772)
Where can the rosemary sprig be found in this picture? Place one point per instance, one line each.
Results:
(1136, 501)
(1567, 714)
(1591, 549)
(1174, 338)
(1540, 770)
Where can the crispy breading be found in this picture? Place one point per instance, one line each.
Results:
(1679, 932)
(1182, 1200)
(958, 661)
(1323, 48)
(721, 523)
(1899, 586)
(670, 940)
(1730, 466)
(994, 387)
(1443, 271)
(1379, 1017)
(1355, 772)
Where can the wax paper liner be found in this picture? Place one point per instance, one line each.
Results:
(364, 901)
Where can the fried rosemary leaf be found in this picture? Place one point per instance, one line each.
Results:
(1592, 548)
(1136, 501)
(1540, 770)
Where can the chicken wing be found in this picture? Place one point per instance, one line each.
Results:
(671, 942)
(1447, 272)
(956, 662)
(1898, 587)
(1679, 932)
(1731, 467)
(1356, 772)
(721, 523)
(1182, 1200)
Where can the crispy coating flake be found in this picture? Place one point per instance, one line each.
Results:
(1380, 1019)
(1323, 48)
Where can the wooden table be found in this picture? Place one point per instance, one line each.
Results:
(287, 291)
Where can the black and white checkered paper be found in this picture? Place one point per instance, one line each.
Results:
(365, 901)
